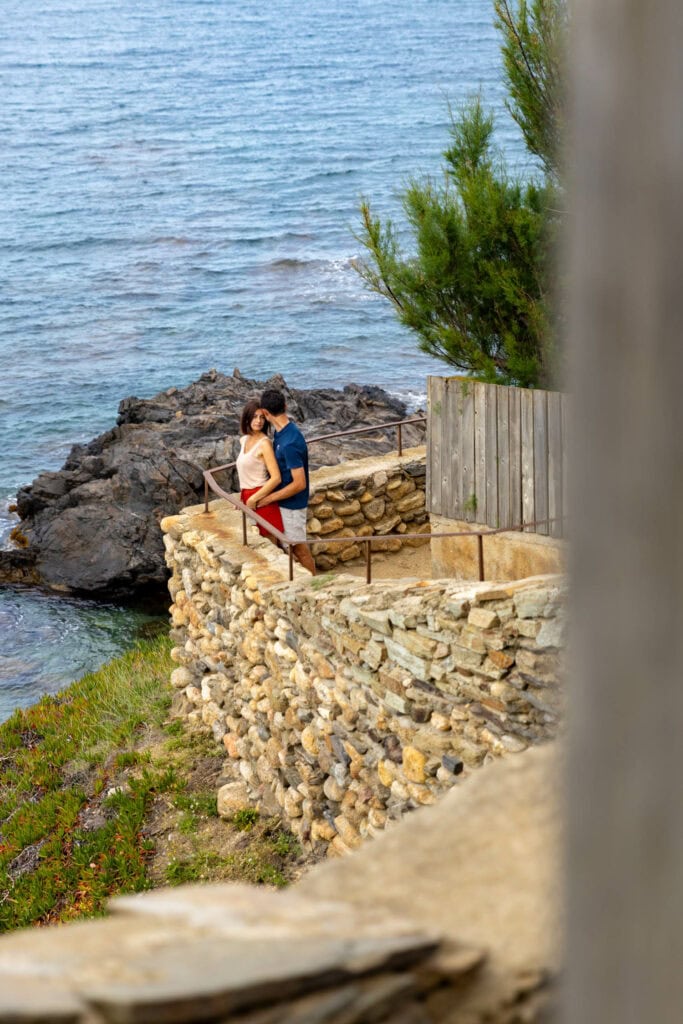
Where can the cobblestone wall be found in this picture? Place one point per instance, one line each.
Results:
(345, 705)
(368, 497)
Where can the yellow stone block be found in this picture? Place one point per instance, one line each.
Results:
(414, 764)
(309, 741)
(385, 771)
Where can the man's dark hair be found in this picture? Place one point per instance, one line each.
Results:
(273, 401)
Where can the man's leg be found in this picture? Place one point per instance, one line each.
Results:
(294, 523)
(303, 555)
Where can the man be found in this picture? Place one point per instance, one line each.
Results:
(291, 452)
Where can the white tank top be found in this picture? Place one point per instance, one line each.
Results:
(251, 470)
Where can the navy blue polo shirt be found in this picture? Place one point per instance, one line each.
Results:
(291, 453)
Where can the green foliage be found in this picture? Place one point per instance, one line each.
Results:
(245, 818)
(192, 869)
(202, 805)
(318, 582)
(284, 844)
(128, 758)
(476, 288)
(471, 504)
(174, 728)
(532, 51)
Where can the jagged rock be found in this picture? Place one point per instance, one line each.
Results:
(94, 526)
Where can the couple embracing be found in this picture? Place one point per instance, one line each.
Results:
(274, 476)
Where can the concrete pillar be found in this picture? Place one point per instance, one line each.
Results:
(625, 845)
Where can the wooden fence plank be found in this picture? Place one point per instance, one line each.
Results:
(503, 463)
(467, 492)
(496, 455)
(447, 440)
(452, 446)
(437, 426)
(515, 435)
(540, 399)
(491, 457)
(480, 452)
(527, 435)
(555, 462)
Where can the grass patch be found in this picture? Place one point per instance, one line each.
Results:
(318, 582)
(264, 861)
(100, 794)
(128, 758)
(174, 728)
(64, 851)
(196, 808)
(245, 819)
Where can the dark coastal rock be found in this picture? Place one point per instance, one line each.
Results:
(93, 527)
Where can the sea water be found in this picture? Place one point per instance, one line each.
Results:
(179, 190)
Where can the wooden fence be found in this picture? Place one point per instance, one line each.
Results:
(496, 455)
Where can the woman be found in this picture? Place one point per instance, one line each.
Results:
(257, 468)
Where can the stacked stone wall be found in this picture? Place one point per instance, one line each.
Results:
(369, 499)
(344, 705)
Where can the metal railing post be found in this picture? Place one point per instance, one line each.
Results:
(291, 562)
(400, 440)
(368, 562)
(206, 495)
(480, 553)
(244, 529)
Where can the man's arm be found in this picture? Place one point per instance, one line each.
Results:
(298, 484)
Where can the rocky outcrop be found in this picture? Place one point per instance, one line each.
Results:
(93, 526)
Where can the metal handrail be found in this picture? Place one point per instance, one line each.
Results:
(345, 433)
(368, 541)
(209, 482)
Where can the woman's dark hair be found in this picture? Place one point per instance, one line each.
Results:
(273, 401)
(248, 413)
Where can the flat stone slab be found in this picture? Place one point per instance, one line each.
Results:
(208, 978)
(227, 910)
(29, 1001)
(196, 953)
(422, 904)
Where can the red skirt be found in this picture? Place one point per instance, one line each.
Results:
(271, 513)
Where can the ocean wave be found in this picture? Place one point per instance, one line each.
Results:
(331, 264)
(68, 244)
(416, 401)
(179, 240)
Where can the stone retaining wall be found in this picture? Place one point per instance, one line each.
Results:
(365, 498)
(344, 705)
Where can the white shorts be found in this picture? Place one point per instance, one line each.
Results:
(294, 524)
